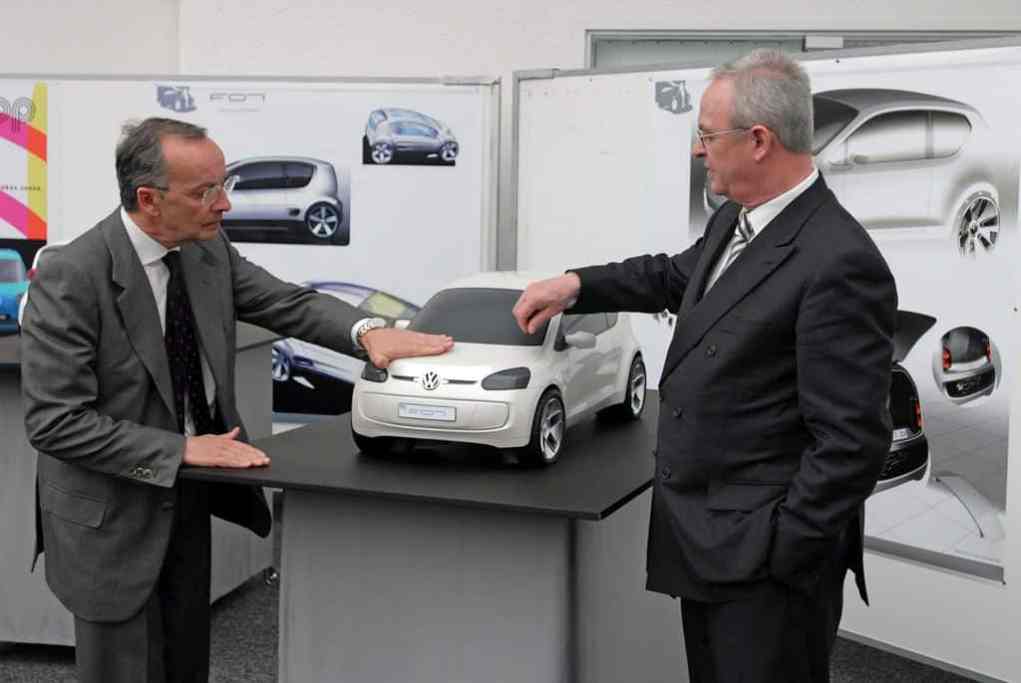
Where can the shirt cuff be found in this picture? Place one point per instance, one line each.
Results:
(354, 333)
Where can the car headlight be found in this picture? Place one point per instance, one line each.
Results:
(513, 378)
(374, 374)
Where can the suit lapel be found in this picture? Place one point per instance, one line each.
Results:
(763, 256)
(137, 307)
(724, 222)
(201, 269)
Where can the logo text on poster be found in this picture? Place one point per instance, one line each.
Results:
(18, 112)
(175, 98)
(237, 100)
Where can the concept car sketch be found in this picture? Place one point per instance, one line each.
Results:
(965, 368)
(393, 134)
(499, 386)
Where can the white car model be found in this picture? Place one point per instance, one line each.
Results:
(499, 386)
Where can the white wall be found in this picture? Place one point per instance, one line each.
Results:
(107, 37)
(462, 37)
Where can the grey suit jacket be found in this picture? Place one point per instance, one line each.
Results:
(99, 404)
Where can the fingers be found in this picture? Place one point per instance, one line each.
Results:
(387, 345)
(222, 450)
(233, 434)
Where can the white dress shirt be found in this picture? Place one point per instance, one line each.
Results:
(151, 253)
(761, 216)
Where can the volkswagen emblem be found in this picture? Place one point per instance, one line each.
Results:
(430, 381)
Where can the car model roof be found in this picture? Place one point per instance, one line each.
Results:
(868, 99)
(248, 160)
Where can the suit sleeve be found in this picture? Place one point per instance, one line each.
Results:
(60, 386)
(844, 356)
(289, 309)
(646, 284)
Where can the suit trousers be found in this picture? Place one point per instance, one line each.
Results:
(167, 641)
(778, 634)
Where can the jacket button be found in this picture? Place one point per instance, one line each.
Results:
(678, 412)
(710, 351)
(666, 471)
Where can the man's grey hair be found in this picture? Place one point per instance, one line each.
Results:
(771, 89)
(140, 160)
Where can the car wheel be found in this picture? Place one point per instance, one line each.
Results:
(633, 405)
(549, 430)
(379, 445)
(978, 224)
(322, 221)
(382, 153)
(281, 366)
(449, 152)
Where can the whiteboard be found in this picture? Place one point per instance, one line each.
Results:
(604, 172)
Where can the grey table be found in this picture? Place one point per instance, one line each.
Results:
(29, 613)
(452, 564)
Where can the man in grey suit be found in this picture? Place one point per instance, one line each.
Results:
(773, 421)
(128, 374)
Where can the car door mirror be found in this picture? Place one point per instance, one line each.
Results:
(581, 340)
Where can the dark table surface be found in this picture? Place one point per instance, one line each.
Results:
(605, 465)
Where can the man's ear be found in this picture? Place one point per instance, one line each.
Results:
(763, 140)
(148, 199)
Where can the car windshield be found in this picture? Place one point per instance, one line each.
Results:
(476, 315)
(12, 271)
(830, 118)
(965, 344)
(381, 303)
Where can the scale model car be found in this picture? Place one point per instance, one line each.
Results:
(499, 386)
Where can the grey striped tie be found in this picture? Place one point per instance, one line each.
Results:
(742, 236)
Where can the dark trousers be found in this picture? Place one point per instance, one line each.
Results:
(777, 635)
(168, 640)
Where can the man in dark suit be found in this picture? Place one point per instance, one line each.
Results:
(773, 422)
(128, 374)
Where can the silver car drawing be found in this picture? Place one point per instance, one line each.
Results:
(965, 365)
(902, 160)
(394, 135)
(286, 196)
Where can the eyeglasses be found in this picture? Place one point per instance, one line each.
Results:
(211, 193)
(705, 138)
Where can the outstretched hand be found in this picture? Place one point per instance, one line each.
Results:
(386, 344)
(544, 299)
(222, 450)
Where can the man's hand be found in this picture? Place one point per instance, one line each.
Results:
(387, 344)
(544, 299)
(222, 450)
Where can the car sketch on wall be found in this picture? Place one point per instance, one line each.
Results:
(499, 386)
(308, 378)
(286, 198)
(965, 365)
(673, 96)
(909, 449)
(903, 160)
(13, 283)
(404, 136)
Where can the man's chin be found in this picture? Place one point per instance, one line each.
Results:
(210, 230)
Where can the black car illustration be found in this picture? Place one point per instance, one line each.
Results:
(964, 365)
(909, 449)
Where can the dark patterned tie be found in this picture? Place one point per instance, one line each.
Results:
(183, 351)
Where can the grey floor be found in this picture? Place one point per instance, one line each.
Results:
(245, 637)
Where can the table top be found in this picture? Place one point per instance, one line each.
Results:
(605, 465)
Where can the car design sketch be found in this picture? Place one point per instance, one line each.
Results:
(499, 386)
(312, 378)
(909, 449)
(673, 96)
(296, 197)
(965, 365)
(175, 98)
(395, 135)
(13, 284)
(906, 160)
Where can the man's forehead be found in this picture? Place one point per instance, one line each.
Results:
(193, 161)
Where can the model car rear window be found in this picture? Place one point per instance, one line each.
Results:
(380, 303)
(476, 315)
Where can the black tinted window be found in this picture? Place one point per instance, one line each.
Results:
(594, 323)
(261, 175)
(476, 316)
(299, 174)
(830, 119)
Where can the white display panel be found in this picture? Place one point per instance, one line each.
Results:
(605, 173)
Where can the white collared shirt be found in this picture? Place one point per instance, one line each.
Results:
(761, 216)
(151, 253)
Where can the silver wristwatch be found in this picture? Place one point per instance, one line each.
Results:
(364, 326)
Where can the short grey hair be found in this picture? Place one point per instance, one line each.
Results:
(140, 160)
(771, 89)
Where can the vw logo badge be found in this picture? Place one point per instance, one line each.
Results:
(430, 380)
